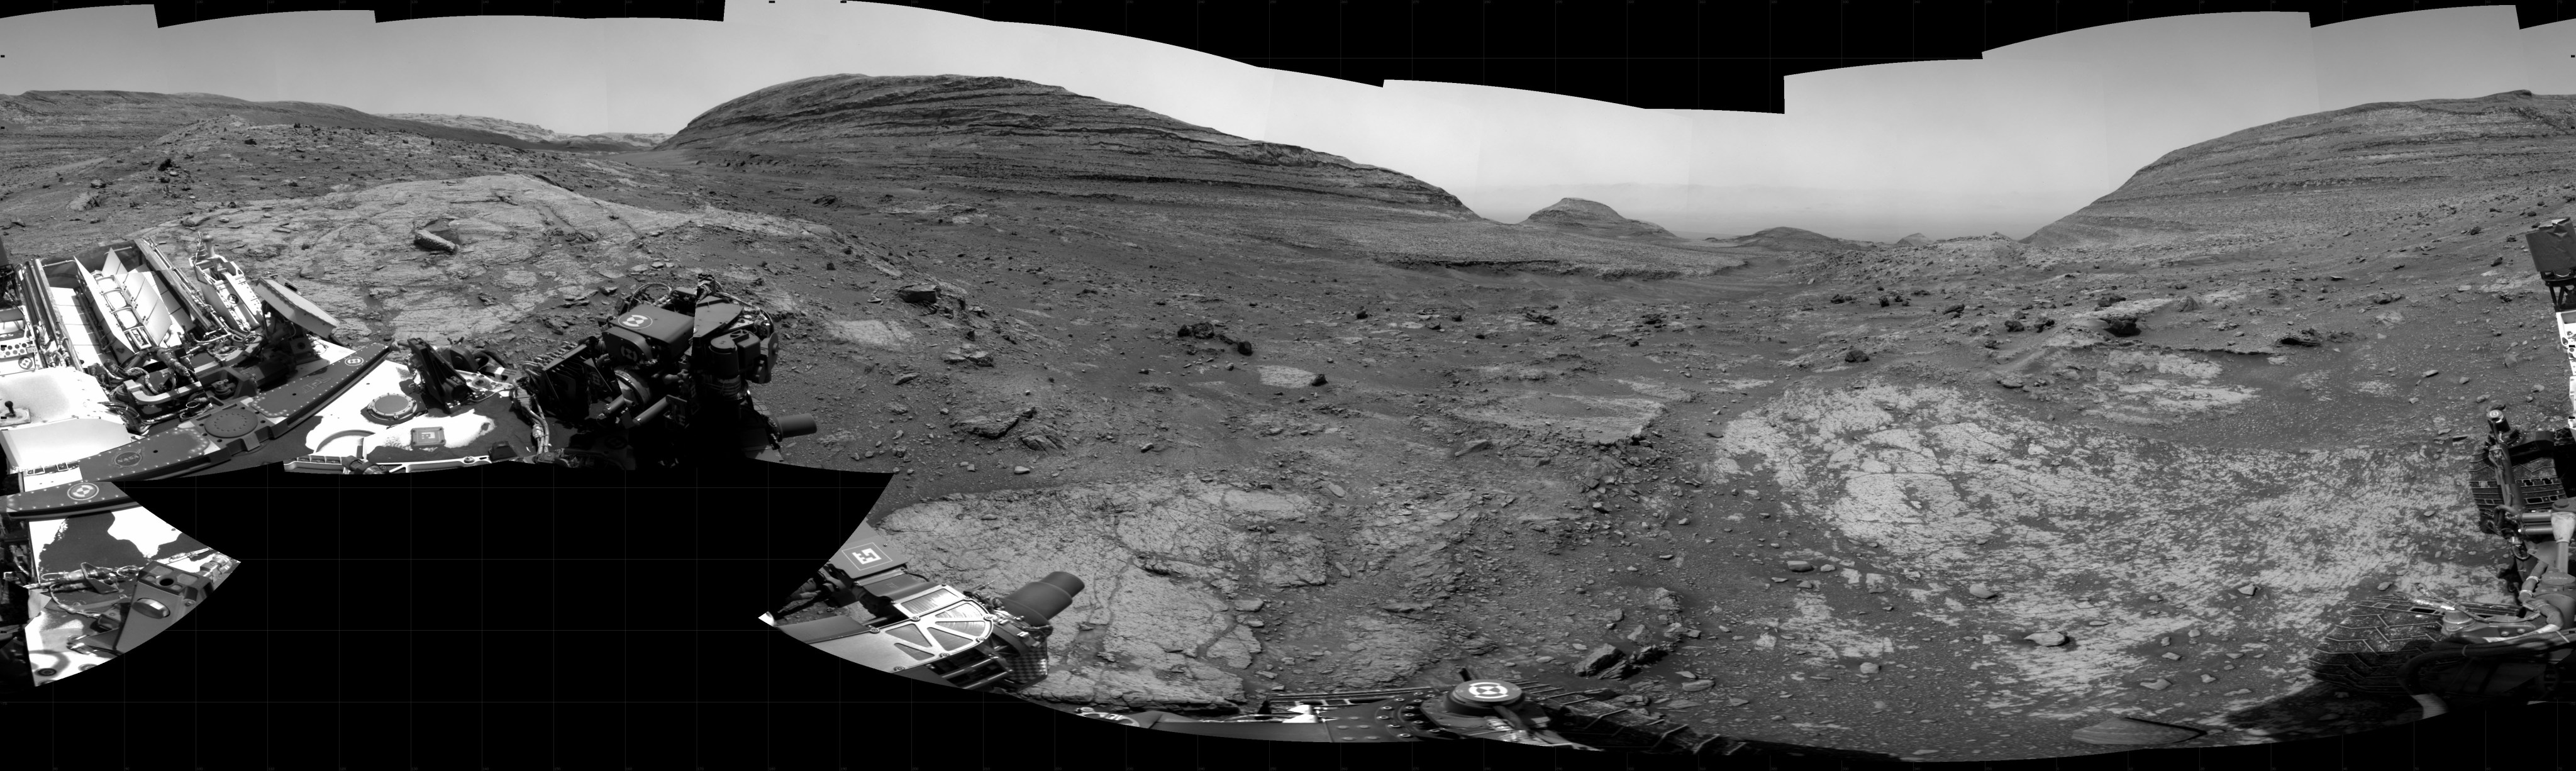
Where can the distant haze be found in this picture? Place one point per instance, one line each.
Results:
(2006, 143)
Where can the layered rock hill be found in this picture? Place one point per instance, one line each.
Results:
(1786, 239)
(2371, 178)
(990, 127)
(614, 141)
(1592, 218)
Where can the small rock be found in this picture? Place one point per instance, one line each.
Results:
(2047, 639)
(1855, 356)
(1737, 702)
(2157, 684)
(1318, 381)
(1696, 686)
(2247, 590)
(1250, 605)
(1869, 667)
(2383, 585)
(434, 241)
(906, 377)
(1019, 469)
(2008, 380)
(1982, 591)
(1800, 566)
(2173, 657)
(2209, 678)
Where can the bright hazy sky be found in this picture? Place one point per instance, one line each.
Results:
(2009, 142)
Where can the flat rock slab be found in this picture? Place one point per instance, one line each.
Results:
(2123, 731)
(1276, 376)
(1591, 419)
(873, 333)
(1156, 631)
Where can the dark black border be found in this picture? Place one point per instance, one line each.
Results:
(1687, 54)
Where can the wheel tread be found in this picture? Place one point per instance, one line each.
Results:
(2376, 636)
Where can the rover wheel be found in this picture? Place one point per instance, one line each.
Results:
(2376, 635)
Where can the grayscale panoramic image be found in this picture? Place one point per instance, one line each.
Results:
(1237, 404)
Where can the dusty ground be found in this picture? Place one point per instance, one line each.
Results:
(1537, 442)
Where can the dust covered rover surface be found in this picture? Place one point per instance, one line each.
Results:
(665, 380)
(84, 588)
(886, 617)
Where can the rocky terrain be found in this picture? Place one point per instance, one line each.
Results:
(47, 129)
(535, 134)
(1303, 423)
